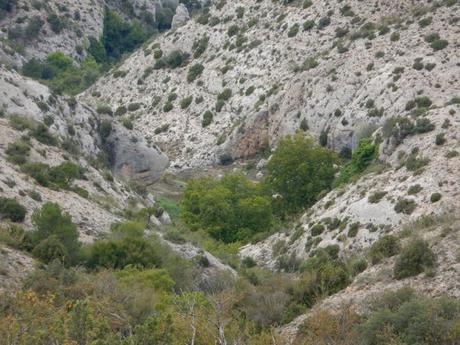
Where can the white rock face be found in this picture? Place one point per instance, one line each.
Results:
(181, 17)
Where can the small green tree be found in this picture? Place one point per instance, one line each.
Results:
(299, 171)
(232, 209)
(51, 221)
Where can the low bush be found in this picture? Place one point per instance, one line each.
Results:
(12, 210)
(317, 229)
(18, 151)
(435, 197)
(43, 135)
(207, 119)
(415, 258)
(406, 206)
(126, 247)
(376, 197)
(60, 176)
(185, 102)
(175, 59)
(385, 247)
(414, 189)
(194, 72)
(321, 276)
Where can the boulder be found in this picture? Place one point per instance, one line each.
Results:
(181, 17)
(131, 157)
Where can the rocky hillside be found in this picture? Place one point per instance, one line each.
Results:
(215, 91)
(33, 29)
(236, 82)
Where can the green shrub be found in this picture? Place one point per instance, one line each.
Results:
(440, 139)
(436, 42)
(308, 25)
(168, 106)
(42, 134)
(353, 229)
(21, 123)
(413, 163)
(322, 276)
(357, 266)
(185, 103)
(51, 249)
(104, 109)
(55, 22)
(123, 252)
(425, 22)
(394, 36)
(207, 119)
(194, 72)
(385, 247)
(406, 206)
(200, 46)
(439, 44)
(402, 317)
(18, 151)
(414, 259)
(174, 237)
(134, 106)
(233, 30)
(248, 262)
(225, 95)
(158, 53)
(128, 123)
(293, 30)
(231, 209)
(376, 197)
(435, 197)
(361, 158)
(121, 110)
(33, 28)
(414, 189)
(324, 22)
(12, 210)
(61, 74)
(175, 59)
(60, 176)
(317, 229)
(34, 195)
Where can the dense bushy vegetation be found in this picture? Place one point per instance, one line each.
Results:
(361, 158)
(414, 259)
(60, 72)
(59, 176)
(394, 317)
(232, 209)
(55, 236)
(119, 36)
(299, 171)
(11, 209)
